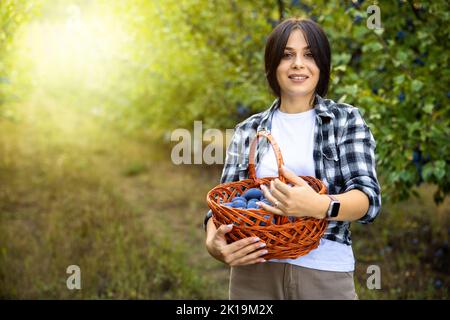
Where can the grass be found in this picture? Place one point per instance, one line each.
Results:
(409, 242)
(66, 200)
(74, 192)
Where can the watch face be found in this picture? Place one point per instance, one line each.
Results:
(334, 209)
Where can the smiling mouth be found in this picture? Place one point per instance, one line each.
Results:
(298, 77)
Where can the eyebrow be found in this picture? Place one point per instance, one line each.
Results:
(289, 48)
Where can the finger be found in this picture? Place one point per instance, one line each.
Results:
(224, 229)
(281, 197)
(243, 252)
(270, 208)
(292, 177)
(266, 192)
(255, 257)
(281, 186)
(242, 243)
(268, 195)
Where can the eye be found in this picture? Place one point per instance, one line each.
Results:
(287, 54)
(309, 54)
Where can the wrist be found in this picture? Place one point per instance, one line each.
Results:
(210, 231)
(322, 207)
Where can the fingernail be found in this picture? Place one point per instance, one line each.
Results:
(264, 252)
(262, 260)
(229, 225)
(256, 239)
(262, 245)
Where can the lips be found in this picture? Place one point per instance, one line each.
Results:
(298, 76)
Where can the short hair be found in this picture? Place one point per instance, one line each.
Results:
(317, 40)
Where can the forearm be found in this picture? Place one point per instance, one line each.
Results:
(354, 205)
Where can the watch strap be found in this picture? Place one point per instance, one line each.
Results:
(207, 216)
(330, 207)
(332, 197)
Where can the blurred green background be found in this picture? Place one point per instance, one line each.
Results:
(90, 92)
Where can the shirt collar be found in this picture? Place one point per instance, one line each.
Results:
(321, 107)
(266, 117)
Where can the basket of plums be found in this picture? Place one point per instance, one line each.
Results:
(235, 203)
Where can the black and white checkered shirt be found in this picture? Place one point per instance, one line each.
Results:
(344, 156)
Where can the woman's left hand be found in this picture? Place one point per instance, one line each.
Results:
(300, 200)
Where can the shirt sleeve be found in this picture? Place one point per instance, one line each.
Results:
(357, 153)
(233, 160)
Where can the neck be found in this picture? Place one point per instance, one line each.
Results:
(299, 104)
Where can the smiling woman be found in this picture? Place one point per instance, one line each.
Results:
(303, 68)
(317, 137)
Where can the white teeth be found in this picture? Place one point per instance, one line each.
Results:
(298, 78)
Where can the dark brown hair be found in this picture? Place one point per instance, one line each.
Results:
(317, 40)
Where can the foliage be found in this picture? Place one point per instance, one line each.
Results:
(13, 14)
(180, 61)
(208, 65)
(394, 76)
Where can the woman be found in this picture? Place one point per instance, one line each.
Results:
(317, 137)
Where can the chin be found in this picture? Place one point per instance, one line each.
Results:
(294, 93)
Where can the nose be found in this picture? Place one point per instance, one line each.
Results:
(298, 62)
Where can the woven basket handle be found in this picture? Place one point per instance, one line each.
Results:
(276, 149)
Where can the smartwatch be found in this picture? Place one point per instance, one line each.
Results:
(333, 209)
(205, 221)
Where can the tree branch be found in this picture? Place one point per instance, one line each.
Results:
(281, 9)
(415, 10)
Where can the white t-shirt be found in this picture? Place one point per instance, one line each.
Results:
(294, 133)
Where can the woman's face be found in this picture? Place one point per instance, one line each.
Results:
(297, 73)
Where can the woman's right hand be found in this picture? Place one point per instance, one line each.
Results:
(242, 252)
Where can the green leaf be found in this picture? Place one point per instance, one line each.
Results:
(340, 68)
(351, 90)
(427, 171)
(399, 79)
(439, 169)
(416, 85)
(428, 108)
(372, 46)
(379, 31)
(342, 99)
(402, 56)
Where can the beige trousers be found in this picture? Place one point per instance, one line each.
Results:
(283, 281)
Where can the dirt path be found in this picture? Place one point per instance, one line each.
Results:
(168, 200)
(171, 202)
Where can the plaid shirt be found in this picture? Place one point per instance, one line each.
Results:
(344, 156)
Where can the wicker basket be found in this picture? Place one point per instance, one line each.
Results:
(284, 237)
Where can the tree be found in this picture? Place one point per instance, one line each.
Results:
(396, 75)
(186, 60)
(13, 14)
